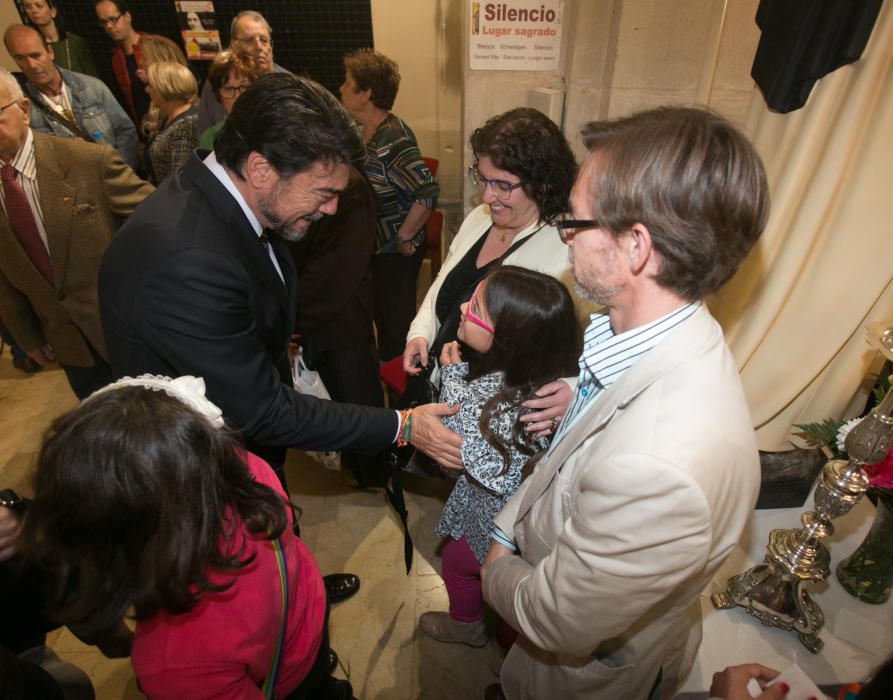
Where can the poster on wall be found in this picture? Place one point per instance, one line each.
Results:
(515, 34)
(198, 27)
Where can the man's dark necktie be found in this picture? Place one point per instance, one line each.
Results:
(22, 221)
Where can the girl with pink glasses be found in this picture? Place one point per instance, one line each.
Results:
(519, 332)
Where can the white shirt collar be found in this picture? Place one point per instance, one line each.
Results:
(221, 174)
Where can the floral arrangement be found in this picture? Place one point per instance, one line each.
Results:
(830, 436)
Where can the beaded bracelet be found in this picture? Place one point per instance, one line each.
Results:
(404, 434)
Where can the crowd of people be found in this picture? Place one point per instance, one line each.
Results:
(585, 391)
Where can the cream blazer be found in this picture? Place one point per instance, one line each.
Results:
(623, 524)
(545, 253)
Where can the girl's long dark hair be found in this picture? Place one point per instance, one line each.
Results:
(137, 498)
(536, 340)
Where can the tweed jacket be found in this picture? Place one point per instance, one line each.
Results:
(85, 189)
(624, 522)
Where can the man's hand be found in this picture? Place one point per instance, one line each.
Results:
(9, 533)
(43, 355)
(552, 401)
(431, 437)
(406, 248)
(497, 551)
(415, 356)
(450, 355)
(731, 683)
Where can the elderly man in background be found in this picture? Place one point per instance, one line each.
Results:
(599, 558)
(250, 37)
(62, 203)
(67, 104)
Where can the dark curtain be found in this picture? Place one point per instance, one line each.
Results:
(804, 40)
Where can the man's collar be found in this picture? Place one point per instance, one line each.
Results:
(212, 164)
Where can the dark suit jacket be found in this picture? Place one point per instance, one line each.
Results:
(186, 288)
(85, 190)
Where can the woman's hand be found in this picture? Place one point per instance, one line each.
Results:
(415, 356)
(549, 407)
(450, 355)
(406, 248)
(731, 683)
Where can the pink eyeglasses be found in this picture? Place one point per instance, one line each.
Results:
(471, 316)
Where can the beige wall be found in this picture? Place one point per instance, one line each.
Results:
(424, 39)
(8, 15)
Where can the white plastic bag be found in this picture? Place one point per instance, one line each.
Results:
(308, 382)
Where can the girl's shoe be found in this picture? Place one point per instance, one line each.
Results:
(440, 626)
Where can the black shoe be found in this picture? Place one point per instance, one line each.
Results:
(494, 692)
(26, 364)
(332, 662)
(343, 690)
(340, 587)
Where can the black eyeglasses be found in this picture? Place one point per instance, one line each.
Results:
(568, 228)
(502, 189)
(109, 21)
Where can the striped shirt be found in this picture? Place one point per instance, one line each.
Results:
(26, 175)
(606, 357)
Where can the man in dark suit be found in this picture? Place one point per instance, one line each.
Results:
(200, 281)
(335, 302)
(63, 200)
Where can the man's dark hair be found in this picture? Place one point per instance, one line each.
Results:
(376, 72)
(536, 340)
(526, 143)
(137, 498)
(693, 180)
(291, 121)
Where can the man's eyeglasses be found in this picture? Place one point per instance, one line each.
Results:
(232, 90)
(568, 227)
(502, 189)
(470, 314)
(7, 106)
(109, 21)
(264, 41)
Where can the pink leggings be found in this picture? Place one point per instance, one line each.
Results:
(462, 577)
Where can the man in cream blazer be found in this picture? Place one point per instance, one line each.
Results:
(599, 558)
(82, 192)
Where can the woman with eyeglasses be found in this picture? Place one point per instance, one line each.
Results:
(524, 170)
(70, 51)
(405, 192)
(229, 76)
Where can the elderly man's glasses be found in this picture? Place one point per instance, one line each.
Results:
(109, 21)
(264, 41)
(470, 314)
(501, 189)
(569, 227)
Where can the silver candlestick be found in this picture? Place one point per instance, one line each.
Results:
(775, 592)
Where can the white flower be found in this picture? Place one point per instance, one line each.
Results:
(843, 431)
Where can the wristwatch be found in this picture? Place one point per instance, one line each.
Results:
(10, 499)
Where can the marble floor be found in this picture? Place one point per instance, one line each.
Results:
(375, 633)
